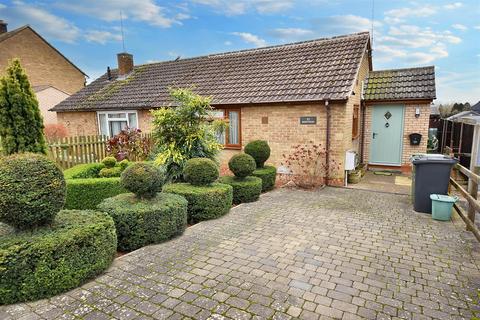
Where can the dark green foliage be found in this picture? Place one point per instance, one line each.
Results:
(32, 190)
(142, 222)
(88, 193)
(109, 162)
(21, 123)
(245, 189)
(110, 172)
(82, 171)
(204, 202)
(242, 165)
(143, 179)
(259, 150)
(46, 261)
(268, 174)
(200, 171)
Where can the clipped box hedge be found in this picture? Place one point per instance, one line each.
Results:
(83, 171)
(89, 193)
(204, 202)
(46, 261)
(140, 222)
(268, 174)
(246, 189)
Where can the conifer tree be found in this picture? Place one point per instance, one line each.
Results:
(21, 123)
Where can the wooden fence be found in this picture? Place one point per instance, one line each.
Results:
(471, 196)
(70, 151)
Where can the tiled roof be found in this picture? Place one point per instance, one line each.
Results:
(400, 84)
(305, 71)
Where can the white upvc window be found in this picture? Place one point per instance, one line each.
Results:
(111, 123)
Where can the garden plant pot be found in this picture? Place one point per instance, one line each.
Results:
(442, 206)
(354, 176)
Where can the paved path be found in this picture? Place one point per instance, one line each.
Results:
(334, 253)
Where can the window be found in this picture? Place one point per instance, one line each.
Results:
(111, 123)
(232, 137)
(356, 121)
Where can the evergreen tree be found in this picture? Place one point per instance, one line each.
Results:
(21, 124)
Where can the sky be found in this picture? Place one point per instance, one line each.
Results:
(445, 34)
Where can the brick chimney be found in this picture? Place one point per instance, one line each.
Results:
(3, 27)
(125, 64)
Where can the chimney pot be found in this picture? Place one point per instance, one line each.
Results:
(3, 26)
(125, 64)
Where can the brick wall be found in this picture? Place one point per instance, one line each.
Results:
(411, 125)
(79, 123)
(47, 99)
(43, 65)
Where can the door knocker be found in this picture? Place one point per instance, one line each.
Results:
(387, 125)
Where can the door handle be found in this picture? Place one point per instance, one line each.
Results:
(374, 135)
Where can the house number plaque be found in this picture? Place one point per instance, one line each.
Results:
(308, 120)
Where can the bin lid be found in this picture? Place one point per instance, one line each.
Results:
(433, 158)
(443, 198)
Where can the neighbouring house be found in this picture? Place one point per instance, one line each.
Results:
(323, 91)
(52, 76)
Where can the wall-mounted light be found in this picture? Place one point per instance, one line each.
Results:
(417, 112)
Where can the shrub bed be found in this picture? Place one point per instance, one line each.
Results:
(146, 221)
(88, 193)
(204, 202)
(268, 174)
(246, 189)
(83, 171)
(46, 261)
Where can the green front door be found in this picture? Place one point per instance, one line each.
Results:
(386, 135)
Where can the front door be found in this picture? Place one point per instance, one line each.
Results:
(387, 135)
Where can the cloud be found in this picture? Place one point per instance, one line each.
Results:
(240, 7)
(101, 37)
(291, 33)
(459, 26)
(454, 5)
(251, 38)
(343, 24)
(476, 27)
(46, 23)
(228, 43)
(140, 10)
(400, 14)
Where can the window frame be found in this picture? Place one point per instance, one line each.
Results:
(226, 110)
(356, 121)
(106, 113)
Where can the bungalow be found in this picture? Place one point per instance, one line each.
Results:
(322, 90)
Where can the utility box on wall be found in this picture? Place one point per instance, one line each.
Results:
(415, 139)
(350, 160)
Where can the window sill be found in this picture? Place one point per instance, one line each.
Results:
(232, 147)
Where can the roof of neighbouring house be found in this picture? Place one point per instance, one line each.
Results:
(305, 71)
(401, 84)
(9, 34)
(476, 107)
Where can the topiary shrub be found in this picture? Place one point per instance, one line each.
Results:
(124, 164)
(47, 261)
(142, 179)
(259, 150)
(246, 189)
(204, 202)
(109, 162)
(200, 171)
(142, 222)
(268, 174)
(110, 172)
(242, 165)
(88, 193)
(32, 190)
(82, 171)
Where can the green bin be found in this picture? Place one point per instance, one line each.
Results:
(442, 206)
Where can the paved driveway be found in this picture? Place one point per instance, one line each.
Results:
(334, 253)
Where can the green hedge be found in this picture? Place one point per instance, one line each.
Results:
(47, 261)
(204, 202)
(246, 189)
(146, 221)
(268, 174)
(82, 171)
(88, 193)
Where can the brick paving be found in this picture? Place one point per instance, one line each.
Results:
(328, 254)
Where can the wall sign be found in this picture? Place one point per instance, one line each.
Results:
(308, 120)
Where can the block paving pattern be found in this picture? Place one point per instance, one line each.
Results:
(328, 254)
